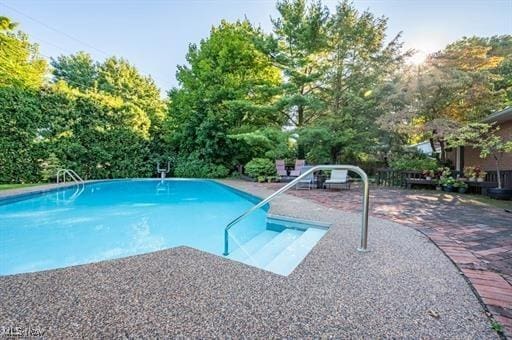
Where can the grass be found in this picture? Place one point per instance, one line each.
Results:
(17, 186)
(474, 199)
(484, 200)
(497, 327)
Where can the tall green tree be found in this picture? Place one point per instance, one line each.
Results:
(20, 63)
(227, 88)
(116, 76)
(78, 70)
(359, 64)
(299, 49)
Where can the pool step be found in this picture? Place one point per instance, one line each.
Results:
(251, 246)
(278, 252)
(288, 259)
(264, 255)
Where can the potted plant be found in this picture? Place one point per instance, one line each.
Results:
(444, 172)
(470, 173)
(429, 174)
(484, 137)
(447, 183)
(438, 185)
(481, 176)
(461, 186)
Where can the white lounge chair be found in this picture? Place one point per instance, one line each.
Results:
(338, 177)
(306, 182)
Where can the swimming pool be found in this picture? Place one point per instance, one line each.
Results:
(114, 219)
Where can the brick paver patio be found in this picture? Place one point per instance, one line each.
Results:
(476, 237)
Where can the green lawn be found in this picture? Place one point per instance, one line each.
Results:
(484, 200)
(469, 198)
(17, 186)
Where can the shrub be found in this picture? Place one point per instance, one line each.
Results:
(260, 167)
(193, 167)
(49, 167)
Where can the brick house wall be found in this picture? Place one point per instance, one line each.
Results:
(472, 158)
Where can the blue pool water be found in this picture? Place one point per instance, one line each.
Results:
(115, 219)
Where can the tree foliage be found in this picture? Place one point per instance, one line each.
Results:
(299, 50)
(96, 135)
(20, 63)
(357, 64)
(328, 86)
(456, 86)
(226, 89)
(99, 119)
(78, 70)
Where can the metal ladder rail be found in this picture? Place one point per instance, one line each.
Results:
(76, 175)
(71, 173)
(80, 183)
(364, 221)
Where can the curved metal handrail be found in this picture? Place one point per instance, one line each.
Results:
(71, 173)
(366, 190)
(76, 175)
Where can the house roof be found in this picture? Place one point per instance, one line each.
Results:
(500, 116)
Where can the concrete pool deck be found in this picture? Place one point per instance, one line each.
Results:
(404, 287)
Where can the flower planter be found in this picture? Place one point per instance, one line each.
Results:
(462, 190)
(448, 188)
(479, 179)
(472, 179)
(500, 194)
(428, 178)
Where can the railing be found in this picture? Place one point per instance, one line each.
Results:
(506, 177)
(80, 186)
(71, 173)
(364, 223)
(389, 178)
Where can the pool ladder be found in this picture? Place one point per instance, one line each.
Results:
(366, 191)
(80, 183)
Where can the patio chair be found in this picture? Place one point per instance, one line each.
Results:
(308, 181)
(280, 167)
(299, 163)
(338, 177)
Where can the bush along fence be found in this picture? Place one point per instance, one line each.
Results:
(398, 178)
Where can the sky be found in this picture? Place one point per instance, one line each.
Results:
(154, 34)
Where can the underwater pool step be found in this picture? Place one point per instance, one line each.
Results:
(286, 261)
(251, 246)
(264, 255)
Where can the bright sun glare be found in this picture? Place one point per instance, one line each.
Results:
(418, 57)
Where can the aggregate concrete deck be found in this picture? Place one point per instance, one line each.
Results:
(477, 237)
(403, 287)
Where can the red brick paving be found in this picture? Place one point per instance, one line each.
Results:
(476, 237)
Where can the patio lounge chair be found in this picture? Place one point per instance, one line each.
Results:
(280, 167)
(308, 181)
(338, 177)
(299, 163)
